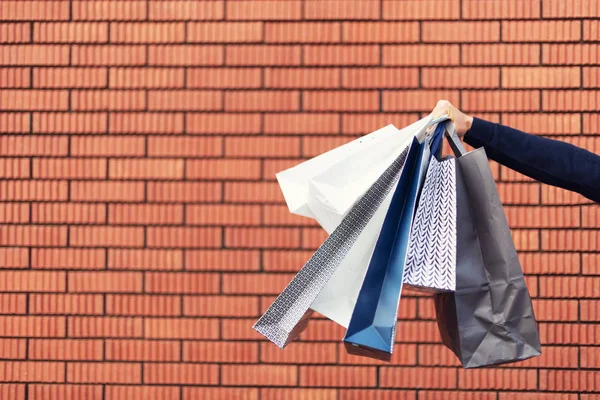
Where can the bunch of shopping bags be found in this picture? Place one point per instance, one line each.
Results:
(398, 213)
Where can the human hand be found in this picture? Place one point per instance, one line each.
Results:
(462, 122)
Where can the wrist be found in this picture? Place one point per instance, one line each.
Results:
(466, 126)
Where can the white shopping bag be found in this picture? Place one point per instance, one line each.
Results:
(327, 186)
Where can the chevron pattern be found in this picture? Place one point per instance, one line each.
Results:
(289, 313)
(431, 258)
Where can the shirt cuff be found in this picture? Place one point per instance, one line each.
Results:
(481, 133)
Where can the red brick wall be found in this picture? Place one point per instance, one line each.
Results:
(143, 231)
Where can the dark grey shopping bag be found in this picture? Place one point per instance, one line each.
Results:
(489, 319)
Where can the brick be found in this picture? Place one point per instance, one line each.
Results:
(416, 100)
(30, 145)
(541, 77)
(109, 55)
(185, 147)
(33, 190)
(220, 306)
(335, 55)
(557, 196)
(410, 377)
(222, 260)
(280, 215)
(262, 147)
(15, 257)
(69, 304)
(145, 214)
(72, 350)
(556, 310)
(184, 192)
(35, 100)
(14, 213)
(591, 77)
(460, 32)
(313, 146)
(150, 78)
(457, 395)
(263, 55)
(571, 54)
(191, 393)
(240, 169)
(224, 32)
(33, 55)
(543, 217)
(381, 32)
(182, 283)
(260, 375)
(570, 381)
(223, 78)
(70, 32)
(15, 122)
(146, 169)
(254, 283)
(123, 146)
(13, 303)
(146, 123)
(284, 261)
(340, 10)
(66, 78)
(360, 124)
(12, 349)
(302, 32)
(339, 376)
(237, 329)
(228, 352)
(541, 31)
(33, 235)
(420, 55)
(373, 394)
(185, 10)
(550, 263)
(115, 392)
(273, 167)
(570, 287)
(69, 123)
(375, 78)
(104, 372)
(224, 124)
(264, 10)
(109, 10)
(538, 396)
(584, 240)
(69, 168)
(458, 78)
(590, 264)
(184, 237)
(569, 100)
(186, 374)
(554, 357)
(15, 168)
(545, 124)
(134, 305)
(340, 101)
(414, 10)
(185, 100)
(147, 32)
(501, 9)
(105, 327)
(142, 350)
(263, 192)
(223, 215)
(590, 357)
(262, 237)
(34, 10)
(145, 259)
(181, 328)
(68, 259)
(571, 334)
(108, 100)
(30, 326)
(301, 124)
(500, 54)
(15, 32)
(590, 31)
(64, 392)
(558, 9)
(506, 100)
(185, 55)
(435, 355)
(104, 236)
(403, 355)
(312, 238)
(107, 191)
(105, 282)
(15, 371)
(300, 353)
(15, 78)
(292, 78)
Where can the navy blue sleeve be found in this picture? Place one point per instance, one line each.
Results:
(549, 161)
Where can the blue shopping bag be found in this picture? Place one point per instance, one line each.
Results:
(372, 327)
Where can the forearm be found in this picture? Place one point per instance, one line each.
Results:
(549, 161)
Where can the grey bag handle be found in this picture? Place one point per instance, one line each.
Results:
(454, 141)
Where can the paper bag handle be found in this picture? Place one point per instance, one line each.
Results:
(454, 141)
